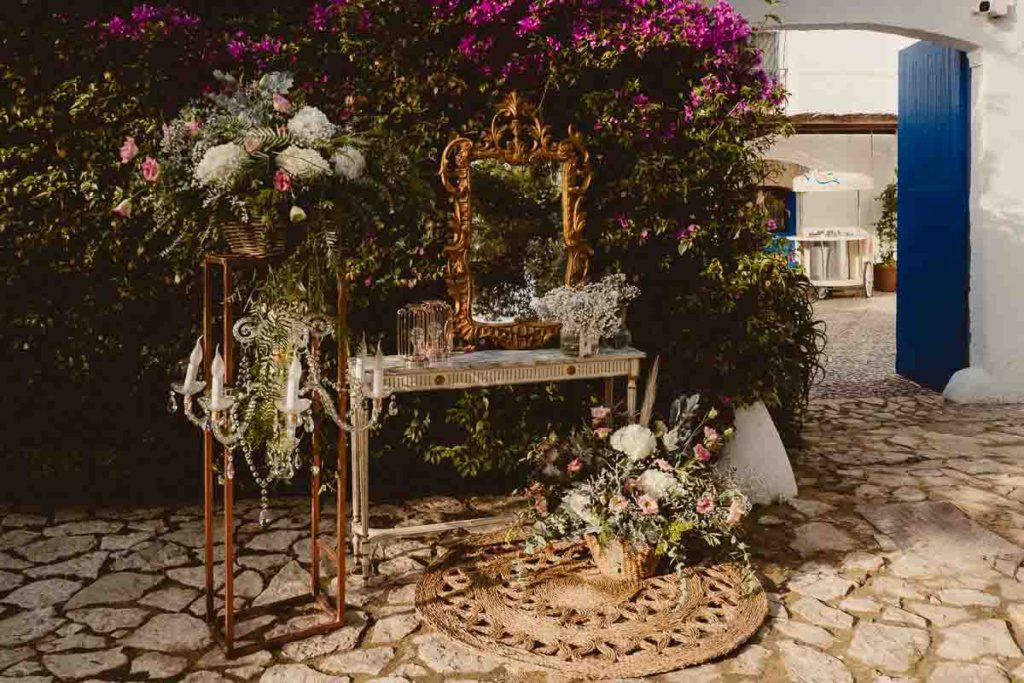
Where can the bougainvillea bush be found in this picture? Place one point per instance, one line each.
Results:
(670, 98)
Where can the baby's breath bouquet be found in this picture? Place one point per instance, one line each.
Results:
(247, 155)
(637, 495)
(589, 313)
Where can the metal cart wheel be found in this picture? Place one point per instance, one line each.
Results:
(823, 293)
(869, 279)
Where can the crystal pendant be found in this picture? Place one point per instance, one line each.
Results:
(393, 407)
(264, 517)
(172, 403)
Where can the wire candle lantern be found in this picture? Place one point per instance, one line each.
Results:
(426, 332)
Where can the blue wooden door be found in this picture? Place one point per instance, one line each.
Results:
(934, 187)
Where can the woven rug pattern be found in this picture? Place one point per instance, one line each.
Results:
(554, 610)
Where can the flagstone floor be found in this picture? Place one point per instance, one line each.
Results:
(899, 561)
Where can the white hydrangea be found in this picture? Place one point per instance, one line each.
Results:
(579, 505)
(302, 163)
(656, 484)
(636, 441)
(349, 162)
(221, 165)
(311, 126)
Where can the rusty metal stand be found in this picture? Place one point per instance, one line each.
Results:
(224, 632)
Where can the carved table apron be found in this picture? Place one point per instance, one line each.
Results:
(473, 371)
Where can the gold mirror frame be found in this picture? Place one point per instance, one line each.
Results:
(518, 137)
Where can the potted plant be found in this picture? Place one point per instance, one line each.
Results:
(248, 162)
(589, 314)
(886, 232)
(637, 496)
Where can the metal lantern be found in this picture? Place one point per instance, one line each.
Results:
(426, 332)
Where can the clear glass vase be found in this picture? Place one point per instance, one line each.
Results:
(578, 345)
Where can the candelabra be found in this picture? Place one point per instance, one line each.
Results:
(226, 412)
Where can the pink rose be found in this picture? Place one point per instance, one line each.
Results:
(193, 127)
(124, 208)
(705, 505)
(737, 510)
(710, 436)
(150, 169)
(602, 432)
(129, 150)
(252, 145)
(575, 466)
(663, 465)
(281, 104)
(618, 503)
(541, 506)
(702, 453)
(282, 181)
(648, 505)
(600, 414)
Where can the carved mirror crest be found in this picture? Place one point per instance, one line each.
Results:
(509, 191)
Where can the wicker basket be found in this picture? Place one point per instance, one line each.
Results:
(245, 239)
(623, 560)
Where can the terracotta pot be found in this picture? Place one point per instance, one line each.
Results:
(625, 561)
(885, 277)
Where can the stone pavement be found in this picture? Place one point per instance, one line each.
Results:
(860, 356)
(898, 562)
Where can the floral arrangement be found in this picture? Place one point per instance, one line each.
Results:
(657, 488)
(247, 154)
(593, 311)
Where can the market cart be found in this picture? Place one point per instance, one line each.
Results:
(834, 257)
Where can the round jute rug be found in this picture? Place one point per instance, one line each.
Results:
(554, 610)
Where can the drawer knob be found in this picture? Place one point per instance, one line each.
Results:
(439, 380)
(571, 370)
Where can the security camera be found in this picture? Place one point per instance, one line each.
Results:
(994, 9)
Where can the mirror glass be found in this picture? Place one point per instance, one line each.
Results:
(516, 247)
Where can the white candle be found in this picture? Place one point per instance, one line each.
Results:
(291, 396)
(217, 380)
(378, 374)
(193, 365)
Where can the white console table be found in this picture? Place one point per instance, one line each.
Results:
(472, 371)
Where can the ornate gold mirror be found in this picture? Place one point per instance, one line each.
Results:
(509, 192)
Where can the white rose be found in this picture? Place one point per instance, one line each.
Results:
(221, 165)
(311, 126)
(579, 505)
(671, 439)
(301, 163)
(349, 162)
(636, 441)
(656, 484)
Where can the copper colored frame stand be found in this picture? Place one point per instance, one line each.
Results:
(224, 632)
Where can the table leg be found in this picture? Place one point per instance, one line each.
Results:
(631, 396)
(208, 446)
(609, 392)
(229, 555)
(360, 485)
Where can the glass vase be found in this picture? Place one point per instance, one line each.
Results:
(569, 342)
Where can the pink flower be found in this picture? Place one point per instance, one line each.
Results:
(702, 453)
(710, 436)
(575, 466)
(282, 181)
(150, 169)
(772, 225)
(602, 432)
(737, 509)
(541, 506)
(599, 414)
(705, 505)
(193, 127)
(251, 145)
(124, 208)
(129, 150)
(663, 465)
(648, 505)
(281, 104)
(618, 503)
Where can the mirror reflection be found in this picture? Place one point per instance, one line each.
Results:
(516, 247)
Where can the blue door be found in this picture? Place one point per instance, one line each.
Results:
(934, 186)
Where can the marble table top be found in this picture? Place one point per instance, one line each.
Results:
(484, 360)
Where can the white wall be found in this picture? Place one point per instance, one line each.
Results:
(996, 51)
(841, 72)
(872, 155)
